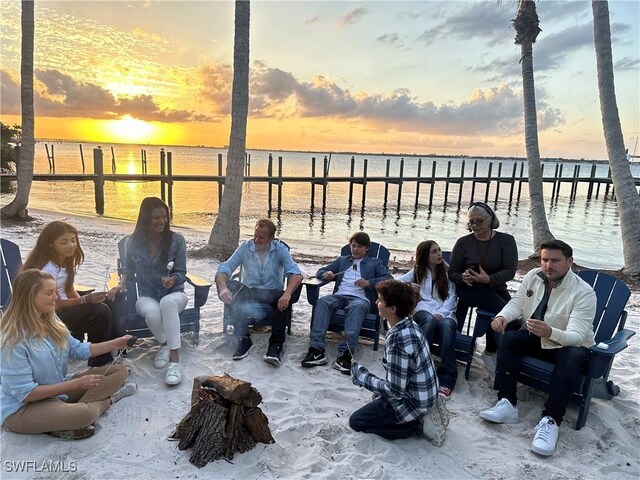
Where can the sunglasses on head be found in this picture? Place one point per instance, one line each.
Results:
(483, 206)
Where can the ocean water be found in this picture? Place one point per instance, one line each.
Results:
(587, 225)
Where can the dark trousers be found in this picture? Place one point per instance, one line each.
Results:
(118, 309)
(484, 297)
(443, 333)
(253, 306)
(568, 361)
(379, 417)
(94, 319)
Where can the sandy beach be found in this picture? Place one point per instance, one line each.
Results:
(308, 409)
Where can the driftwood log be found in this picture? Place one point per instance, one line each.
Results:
(224, 418)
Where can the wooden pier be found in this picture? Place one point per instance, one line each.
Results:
(275, 179)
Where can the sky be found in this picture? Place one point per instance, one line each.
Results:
(429, 77)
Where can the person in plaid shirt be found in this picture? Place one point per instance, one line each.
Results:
(410, 388)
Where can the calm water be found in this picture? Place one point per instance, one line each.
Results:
(586, 224)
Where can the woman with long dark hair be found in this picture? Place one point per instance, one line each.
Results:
(58, 252)
(157, 258)
(434, 312)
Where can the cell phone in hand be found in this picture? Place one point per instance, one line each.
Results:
(475, 266)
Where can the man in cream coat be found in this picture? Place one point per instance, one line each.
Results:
(551, 318)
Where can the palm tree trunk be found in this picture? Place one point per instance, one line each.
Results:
(526, 25)
(625, 189)
(226, 229)
(17, 208)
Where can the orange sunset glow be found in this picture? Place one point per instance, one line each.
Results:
(395, 77)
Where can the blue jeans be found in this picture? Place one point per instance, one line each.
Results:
(442, 333)
(568, 361)
(379, 417)
(356, 310)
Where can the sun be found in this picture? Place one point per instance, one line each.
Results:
(131, 130)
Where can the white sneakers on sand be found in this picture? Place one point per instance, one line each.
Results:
(501, 412)
(125, 390)
(174, 374)
(544, 442)
(162, 357)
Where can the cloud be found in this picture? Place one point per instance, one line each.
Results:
(626, 63)
(353, 17)
(391, 39)
(497, 110)
(312, 20)
(59, 95)
(215, 86)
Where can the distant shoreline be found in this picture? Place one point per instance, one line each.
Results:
(407, 155)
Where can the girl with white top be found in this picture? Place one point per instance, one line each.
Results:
(435, 311)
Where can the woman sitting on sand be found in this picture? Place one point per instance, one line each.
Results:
(157, 257)
(36, 395)
(435, 311)
(58, 253)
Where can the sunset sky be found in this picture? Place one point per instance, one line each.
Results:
(404, 77)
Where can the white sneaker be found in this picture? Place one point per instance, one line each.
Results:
(125, 390)
(174, 374)
(162, 357)
(490, 361)
(501, 412)
(435, 422)
(544, 442)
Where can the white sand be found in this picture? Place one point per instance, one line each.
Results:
(308, 409)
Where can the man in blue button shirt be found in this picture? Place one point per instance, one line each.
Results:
(265, 263)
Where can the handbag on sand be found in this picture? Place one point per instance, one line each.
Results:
(435, 422)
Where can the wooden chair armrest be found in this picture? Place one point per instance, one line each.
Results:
(313, 285)
(114, 280)
(197, 281)
(83, 289)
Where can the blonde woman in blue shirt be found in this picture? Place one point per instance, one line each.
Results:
(37, 396)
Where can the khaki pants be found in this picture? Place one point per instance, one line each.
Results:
(82, 408)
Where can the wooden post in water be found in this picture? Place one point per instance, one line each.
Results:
(162, 172)
(270, 175)
(325, 173)
(81, 157)
(446, 188)
(555, 181)
(433, 183)
(574, 181)
(461, 182)
(247, 164)
(418, 183)
(486, 191)
(220, 181)
(520, 183)
(352, 173)
(51, 158)
(606, 190)
(364, 182)
(593, 174)
(279, 183)
(313, 183)
(98, 180)
(170, 182)
(113, 161)
(400, 182)
(559, 177)
(513, 181)
(386, 183)
(498, 183)
(143, 161)
(473, 182)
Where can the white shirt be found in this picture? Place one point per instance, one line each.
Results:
(348, 284)
(430, 301)
(60, 275)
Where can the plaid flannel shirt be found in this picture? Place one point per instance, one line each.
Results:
(411, 386)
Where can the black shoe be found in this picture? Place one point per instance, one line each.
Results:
(274, 353)
(315, 357)
(77, 434)
(343, 363)
(244, 345)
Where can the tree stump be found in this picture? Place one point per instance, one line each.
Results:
(224, 418)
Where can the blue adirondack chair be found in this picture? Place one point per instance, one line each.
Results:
(371, 326)
(608, 326)
(11, 263)
(263, 315)
(189, 317)
(467, 337)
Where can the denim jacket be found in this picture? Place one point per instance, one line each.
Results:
(33, 363)
(269, 275)
(148, 271)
